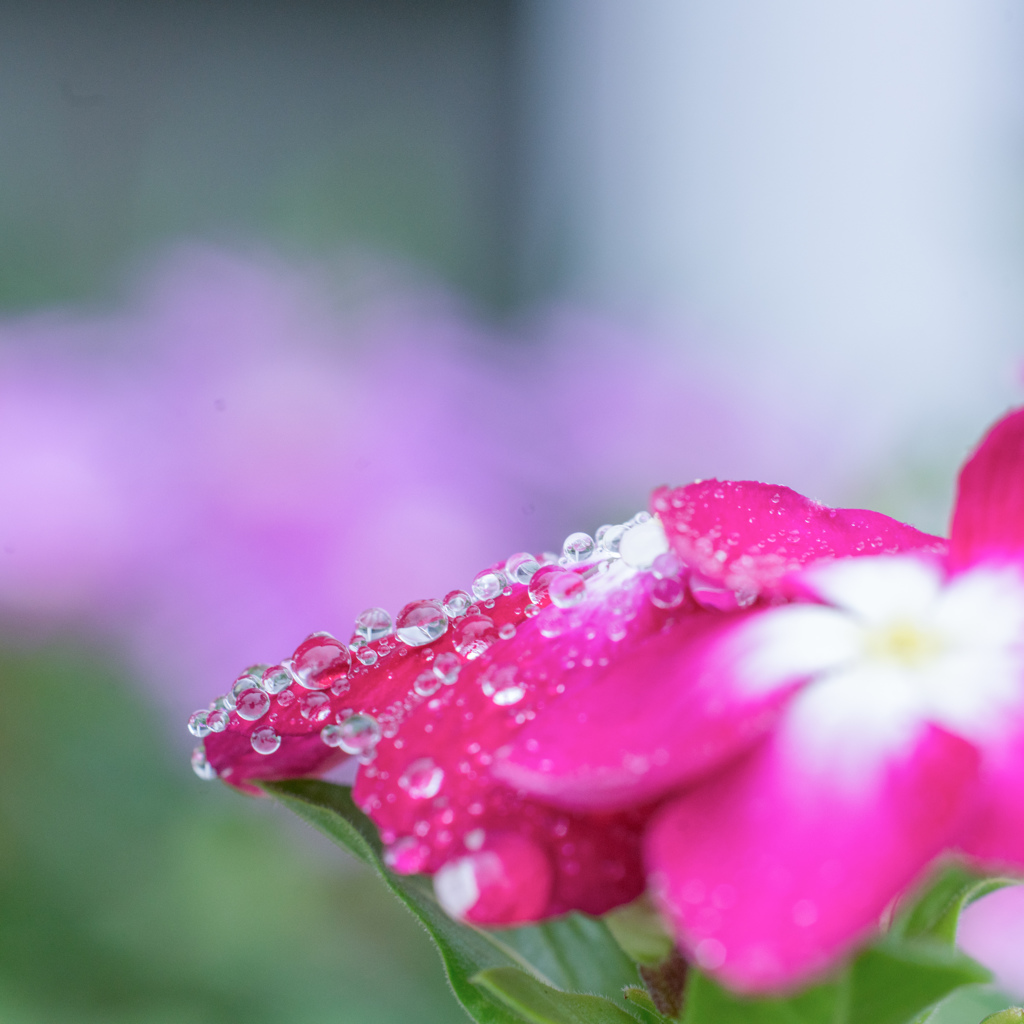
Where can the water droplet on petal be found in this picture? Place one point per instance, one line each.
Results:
(578, 547)
(275, 679)
(500, 684)
(421, 622)
(520, 567)
(217, 720)
(253, 704)
(373, 623)
(538, 589)
(427, 683)
(407, 856)
(360, 733)
(456, 603)
(488, 584)
(642, 543)
(473, 635)
(367, 656)
(446, 667)
(315, 706)
(201, 766)
(567, 589)
(265, 740)
(507, 631)
(668, 565)
(668, 592)
(319, 662)
(609, 538)
(422, 779)
(197, 724)
(711, 595)
(331, 735)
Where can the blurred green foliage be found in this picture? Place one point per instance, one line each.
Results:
(131, 891)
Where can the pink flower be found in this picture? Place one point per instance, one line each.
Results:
(451, 715)
(896, 686)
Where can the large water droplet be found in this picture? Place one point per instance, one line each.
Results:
(422, 779)
(578, 547)
(456, 603)
(331, 735)
(608, 539)
(217, 720)
(360, 733)
(264, 740)
(538, 589)
(367, 656)
(567, 589)
(668, 565)
(320, 661)
(641, 544)
(201, 766)
(488, 584)
(421, 622)
(473, 635)
(520, 567)
(373, 623)
(252, 705)
(197, 724)
(275, 679)
(315, 706)
(446, 667)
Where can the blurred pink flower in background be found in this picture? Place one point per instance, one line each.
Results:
(249, 448)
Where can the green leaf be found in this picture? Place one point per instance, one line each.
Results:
(707, 1002)
(574, 953)
(538, 1003)
(1011, 1015)
(936, 911)
(895, 981)
(641, 932)
(641, 998)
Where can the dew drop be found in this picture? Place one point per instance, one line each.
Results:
(541, 582)
(667, 593)
(407, 856)
(578, 547)
(667, 565)
(315, 706)
(421, 622)
(567, 589)
(473, 635)
(373, 623)
(252, 705)
(456, 603)
(197, 724)
(201, 766)
(427, 683)
(367, 656)
(319, 662)
(488, 584)
(521, 567)
(422, 779)
(360, 733)
(500, 684)
(331, 735)
(608, 539)
(507, 631)
(275, 679)
(217, 720)
(446, 667)
(264, 740)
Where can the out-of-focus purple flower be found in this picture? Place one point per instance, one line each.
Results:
(238, 454)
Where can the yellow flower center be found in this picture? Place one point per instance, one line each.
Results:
(904, 642)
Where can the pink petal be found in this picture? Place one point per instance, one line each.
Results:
(748, 535)
(994, 833)
(771, 874)
(989, 515)
(667, 713)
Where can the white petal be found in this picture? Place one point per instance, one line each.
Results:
(786, 645)
(848, 725)
(878, 588)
